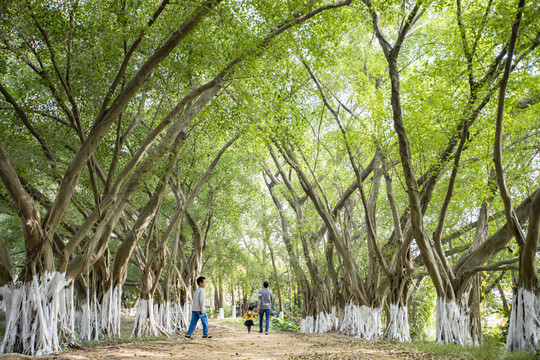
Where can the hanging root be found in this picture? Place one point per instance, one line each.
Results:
(321, 323)
(452, 324)
(165, 317)
(101, 319)
(147, 320)
(186, 315)
(180, 317)
(398, 324)
(356, 321)
(172, 318)
(40, 315)
(110, 313)
(524, 325)
(361, 321)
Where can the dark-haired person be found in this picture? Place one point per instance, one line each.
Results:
(198, 311)
(249, 315)
(264, 306)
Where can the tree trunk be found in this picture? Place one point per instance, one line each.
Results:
(359, 318)
(276, 278)
(6, 265)
(147, 318)
(524, 324)
(233, 301)
(38, 250)
(148, 212)
(397, 327)
(46, 297)
(475, 317)
(220, 300)
(318, 299)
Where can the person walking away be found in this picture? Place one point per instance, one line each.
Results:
(249, 315)
(198, 311)
(264, 306)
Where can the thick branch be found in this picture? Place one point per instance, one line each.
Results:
(511, 217)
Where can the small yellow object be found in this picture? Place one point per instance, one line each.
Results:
(250, 317)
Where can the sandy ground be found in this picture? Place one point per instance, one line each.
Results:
(232, 343)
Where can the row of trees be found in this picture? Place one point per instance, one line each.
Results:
(347, 150)
(403, 112)
(105, 96)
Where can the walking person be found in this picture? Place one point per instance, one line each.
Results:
(249, 315)
(264, 306)
(198, 311)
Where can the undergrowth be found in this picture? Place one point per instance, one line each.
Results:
(483, 352)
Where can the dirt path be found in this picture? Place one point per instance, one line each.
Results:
(232, 343)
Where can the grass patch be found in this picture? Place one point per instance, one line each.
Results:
(275, 325)
(237, 323)
(103, 342)
(123, 340)
(126, 328)
(484, 352)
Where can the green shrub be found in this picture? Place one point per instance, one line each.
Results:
(484, 352)
(421, 312)
(284, 324)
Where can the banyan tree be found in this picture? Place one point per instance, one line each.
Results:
(352, 152)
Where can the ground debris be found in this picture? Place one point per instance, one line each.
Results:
(229, 342)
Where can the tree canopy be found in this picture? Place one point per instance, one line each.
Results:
(368, 158)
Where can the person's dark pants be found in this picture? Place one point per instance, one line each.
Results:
(261, 317)
(249, 328)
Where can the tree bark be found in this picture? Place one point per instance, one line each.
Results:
(6, 265)
(38, 248)
(276, 276)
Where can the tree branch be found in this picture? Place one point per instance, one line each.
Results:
(511, 217)
(48, 153)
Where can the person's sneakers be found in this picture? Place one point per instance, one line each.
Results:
(187, 337)
(207, 336)
(266, 333)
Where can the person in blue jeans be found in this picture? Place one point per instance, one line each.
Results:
(264, 306)
(198, 311)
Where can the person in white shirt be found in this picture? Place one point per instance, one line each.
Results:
(198, 311)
